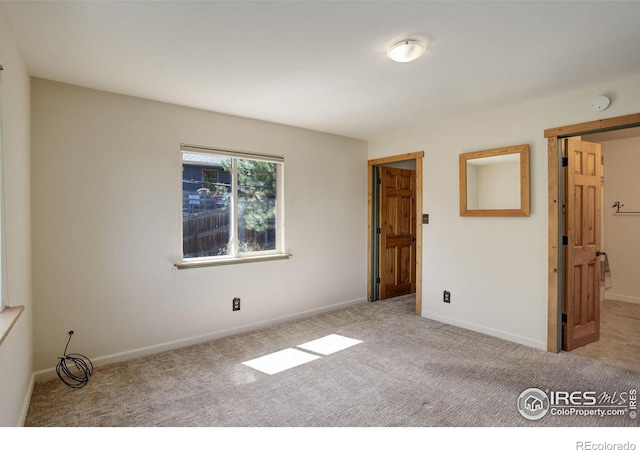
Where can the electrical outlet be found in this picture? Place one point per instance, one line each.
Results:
(446, 297)
(236, 304)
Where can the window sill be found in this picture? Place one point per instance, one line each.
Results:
(8, 318)
(224, 262)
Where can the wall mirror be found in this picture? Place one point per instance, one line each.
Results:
(495, 182)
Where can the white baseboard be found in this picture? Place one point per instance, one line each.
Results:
(621, 298)
(486, 330)
(50, 373)
(26, 402)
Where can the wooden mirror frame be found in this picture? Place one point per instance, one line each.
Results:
(523, 211)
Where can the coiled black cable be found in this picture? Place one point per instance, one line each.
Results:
(83, 368)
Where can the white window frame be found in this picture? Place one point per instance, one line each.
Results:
(235, 254)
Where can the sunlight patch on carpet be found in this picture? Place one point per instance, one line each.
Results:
(280, 361)
(329, 344)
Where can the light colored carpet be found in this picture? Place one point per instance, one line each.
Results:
(407, 372)
(619, 342)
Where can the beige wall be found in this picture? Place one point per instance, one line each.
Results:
(106, 213)
(622, 231)
(16, 350)
(495, 268)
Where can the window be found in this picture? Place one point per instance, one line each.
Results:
(8, 314)
(3, 256)
(231, 204)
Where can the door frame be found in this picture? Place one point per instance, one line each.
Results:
(417, 156)
(556, 194)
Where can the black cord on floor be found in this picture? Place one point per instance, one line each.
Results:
(83, 368)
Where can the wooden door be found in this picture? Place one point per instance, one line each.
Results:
(581, 305)
(397, 261)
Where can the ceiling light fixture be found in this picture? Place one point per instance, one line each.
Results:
(406, 51)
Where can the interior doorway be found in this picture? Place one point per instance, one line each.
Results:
(394, 234)
(620, 244)
(560, 218)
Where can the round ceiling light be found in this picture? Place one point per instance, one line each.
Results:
(406, 51)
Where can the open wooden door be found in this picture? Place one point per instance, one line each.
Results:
(397, 261)
(581, 305)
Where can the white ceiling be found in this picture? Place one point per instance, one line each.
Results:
(321, 64)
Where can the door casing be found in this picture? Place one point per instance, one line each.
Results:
(417, 156)
(556, 194)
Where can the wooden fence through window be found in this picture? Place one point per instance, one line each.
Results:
(205, 233)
